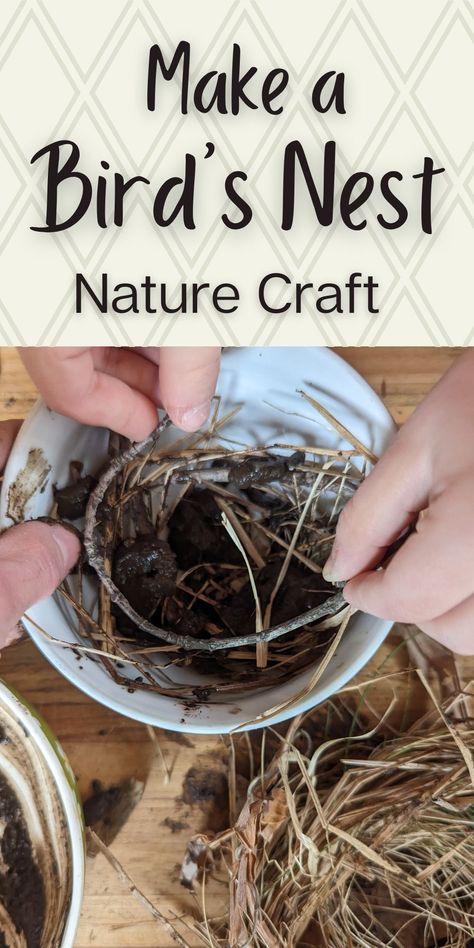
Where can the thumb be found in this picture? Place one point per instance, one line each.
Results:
(34, 559)
(187, 383)
(386, 503)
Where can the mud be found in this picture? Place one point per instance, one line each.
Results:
(145, 570)
(32, 478)
(196, 534)
(21, 886)
(209, 789)
(248, 473)
(301, 591)
(72, 499)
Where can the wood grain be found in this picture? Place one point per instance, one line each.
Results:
(103, 745)
(400, 376)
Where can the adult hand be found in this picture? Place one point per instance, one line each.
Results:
(34, 558)
(426, 475)
(121, 388)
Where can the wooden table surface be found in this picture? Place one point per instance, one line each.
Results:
(103, 745)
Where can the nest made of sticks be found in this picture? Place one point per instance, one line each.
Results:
(209, 559)
(351, 841)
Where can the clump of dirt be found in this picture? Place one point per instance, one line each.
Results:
(196, 535)
(209, 789)
(72, 499)
(145, 571)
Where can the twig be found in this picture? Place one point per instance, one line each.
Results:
(241, 533)
(258, 609)
(76, 647)
(340, 428)
(145, 902)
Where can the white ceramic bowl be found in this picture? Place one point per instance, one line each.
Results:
(45, 747)
(265, 382)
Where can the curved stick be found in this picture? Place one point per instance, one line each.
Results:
(96, 559)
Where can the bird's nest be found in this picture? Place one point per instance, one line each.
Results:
(209, 560)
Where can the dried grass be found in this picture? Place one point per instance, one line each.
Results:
(287, 519)
(349, 841)
(344, 830)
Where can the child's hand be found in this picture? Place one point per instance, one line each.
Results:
(34, 558)
(121, 388)
(428, 472)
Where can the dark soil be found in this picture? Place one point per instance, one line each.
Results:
(21, 886)
(213, 597)
(302, 590)
(145, 571)
(196, 534)
(72, 500)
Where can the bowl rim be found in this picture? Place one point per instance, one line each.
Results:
(300, 707)
(60, 769)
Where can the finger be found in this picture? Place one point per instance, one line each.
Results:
(187, 383)
(110, 403)
(63, 372)
(131, 367)
(152, 353)
(455, 629)
(71, 385)
(382, 507)
(431, 573)
(8, 433)
(34, 559)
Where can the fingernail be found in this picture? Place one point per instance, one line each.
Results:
(68, 545)
(331, 573)
(190, 419)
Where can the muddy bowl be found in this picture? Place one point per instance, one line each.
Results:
(266, 384)
(42, 833)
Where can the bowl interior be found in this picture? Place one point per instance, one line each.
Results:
(265, 383)
(49, 750)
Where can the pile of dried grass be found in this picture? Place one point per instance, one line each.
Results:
(351, 841)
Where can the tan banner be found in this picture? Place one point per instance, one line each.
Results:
(244, 173)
